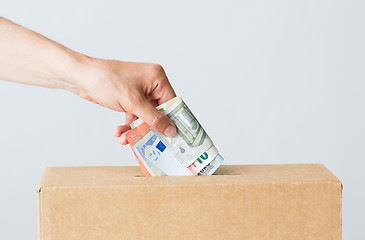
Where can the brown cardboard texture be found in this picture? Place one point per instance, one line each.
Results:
(239, 202)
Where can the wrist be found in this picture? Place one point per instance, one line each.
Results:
(79, 72)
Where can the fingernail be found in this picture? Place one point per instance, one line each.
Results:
(170, 131)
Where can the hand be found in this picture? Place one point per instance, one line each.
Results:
(133, 88)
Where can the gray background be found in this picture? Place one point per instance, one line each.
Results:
(270, 81)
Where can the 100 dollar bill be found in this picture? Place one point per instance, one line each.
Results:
(189, 152)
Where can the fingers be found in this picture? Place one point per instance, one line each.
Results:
(154, 118)
(161, 90)
(121, 132)
(168, 94)
(123, 139)
(118, 131)
(165, 91)
(129, 118)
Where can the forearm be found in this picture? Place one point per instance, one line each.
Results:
(135, 88)
(30, 58)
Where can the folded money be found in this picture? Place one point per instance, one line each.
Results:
(189, 152)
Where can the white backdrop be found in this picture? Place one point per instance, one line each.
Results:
(270, 81)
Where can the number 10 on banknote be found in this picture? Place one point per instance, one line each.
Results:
(189, 152)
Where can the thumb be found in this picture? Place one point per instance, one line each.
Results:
(157, 120)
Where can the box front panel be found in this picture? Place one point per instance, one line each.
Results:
(210, 211)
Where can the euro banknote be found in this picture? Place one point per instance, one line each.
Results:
(189, 152)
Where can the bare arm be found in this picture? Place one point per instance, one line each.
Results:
(30, 58)
(135, 88)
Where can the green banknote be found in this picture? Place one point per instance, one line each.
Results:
(191, 140)
(189, 152)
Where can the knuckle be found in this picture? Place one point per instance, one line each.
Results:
(156, 70)
(134, 101)
(132, 105)
(159, 122)
(117, 107)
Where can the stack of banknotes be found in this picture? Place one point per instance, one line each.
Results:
(189, 152)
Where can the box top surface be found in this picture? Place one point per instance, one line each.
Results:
(226, 174)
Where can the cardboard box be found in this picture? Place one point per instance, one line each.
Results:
(241, 202)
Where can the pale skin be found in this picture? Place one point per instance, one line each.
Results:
(134, 88)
